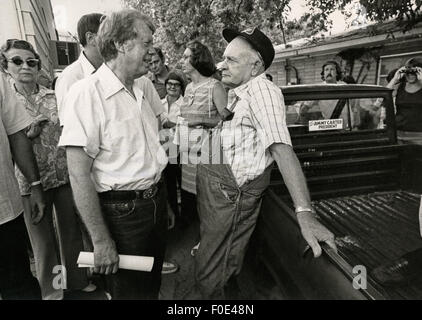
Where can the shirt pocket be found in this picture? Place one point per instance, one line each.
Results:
(125, 135)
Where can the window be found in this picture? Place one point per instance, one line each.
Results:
(336, 114)
(67, 53)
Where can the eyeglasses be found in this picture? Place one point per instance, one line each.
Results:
(18, 61)
(173, 84)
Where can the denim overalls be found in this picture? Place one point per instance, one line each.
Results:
(228, 216)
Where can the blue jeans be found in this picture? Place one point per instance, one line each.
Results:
(138, 227)
(228, 216)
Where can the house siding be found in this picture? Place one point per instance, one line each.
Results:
(309, 66)
(37, 19)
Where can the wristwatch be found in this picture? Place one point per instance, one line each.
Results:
(304, 209)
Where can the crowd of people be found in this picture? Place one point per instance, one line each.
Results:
(99, 163)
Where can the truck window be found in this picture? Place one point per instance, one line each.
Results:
(337, 114)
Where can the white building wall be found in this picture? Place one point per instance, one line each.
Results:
(30, 20)
(9, 23)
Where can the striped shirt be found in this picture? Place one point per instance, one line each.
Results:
(197, 105)
(259, 122)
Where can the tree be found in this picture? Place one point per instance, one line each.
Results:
(179, 21)
(407, 12)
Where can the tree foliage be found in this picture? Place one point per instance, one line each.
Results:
(407, 12)
(179, 21)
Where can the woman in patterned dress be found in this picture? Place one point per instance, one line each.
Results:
(55, 261)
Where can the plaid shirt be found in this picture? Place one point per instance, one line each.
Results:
(259, 122)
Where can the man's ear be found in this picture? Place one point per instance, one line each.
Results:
(91, 38)
(256, 68)
(121, 47)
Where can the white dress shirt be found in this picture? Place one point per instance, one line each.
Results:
(116, 129)
(78, 70)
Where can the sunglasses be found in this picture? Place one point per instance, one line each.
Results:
(18, 61)
(172, 84)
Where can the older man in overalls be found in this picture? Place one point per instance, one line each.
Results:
(230, 193)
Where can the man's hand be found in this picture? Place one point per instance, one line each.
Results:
(37, 204)
(314, 232)
(168, 124)
(398, 75)
(106, 258)
(34, 131)
(36, 127)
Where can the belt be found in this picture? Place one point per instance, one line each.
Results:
(131, 194)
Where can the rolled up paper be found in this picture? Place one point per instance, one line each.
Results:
(135, 263)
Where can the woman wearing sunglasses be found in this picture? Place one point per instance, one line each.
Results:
(203, 108)
(19, 59)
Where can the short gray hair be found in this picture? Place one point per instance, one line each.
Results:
(118, 28)
(251, 54)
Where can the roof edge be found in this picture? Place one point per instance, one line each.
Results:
(312, 49)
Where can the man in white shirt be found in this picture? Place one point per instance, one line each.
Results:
(89, 60)
(116, 160)
(346, 109)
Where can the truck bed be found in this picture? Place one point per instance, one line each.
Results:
(373, 229)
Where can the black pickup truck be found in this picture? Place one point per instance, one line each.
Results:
(365, 187)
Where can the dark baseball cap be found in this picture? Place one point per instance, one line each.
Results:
(259, 41)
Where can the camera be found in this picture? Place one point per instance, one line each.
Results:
(410, 70)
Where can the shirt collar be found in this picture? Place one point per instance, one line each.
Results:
(238, 91)
(112, 85)
(166, 103)
(234, 95)
(87, 67)
(109, 81)
(41, 91)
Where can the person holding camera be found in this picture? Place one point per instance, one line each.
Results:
(407, 83)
